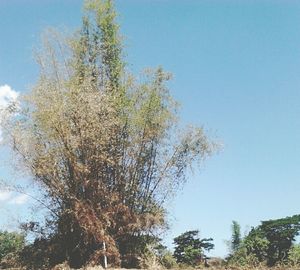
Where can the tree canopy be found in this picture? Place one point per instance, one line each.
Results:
(280, 233)
(189, 248)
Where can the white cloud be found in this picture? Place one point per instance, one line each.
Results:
(7, 96)
(20, 199)
(5, 195)
(10, 197)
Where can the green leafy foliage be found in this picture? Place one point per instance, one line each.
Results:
(189, 248)
(280, 233)
(257, 244)
(10, 242)
(241, 258)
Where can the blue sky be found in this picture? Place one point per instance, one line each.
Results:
(236, 67)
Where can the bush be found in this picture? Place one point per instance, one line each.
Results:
(242, 258)
(35, 256)
(42, 254)
(11, 260)
(168, 261)
(150, 260)
(157, 257)
(294, 255)
(10, 242)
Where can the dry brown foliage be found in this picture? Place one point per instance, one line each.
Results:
(103, 147)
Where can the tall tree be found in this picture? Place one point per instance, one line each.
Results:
(236, 236)
(103, 146)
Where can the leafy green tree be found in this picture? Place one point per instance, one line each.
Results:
(10, 242)
(269, 242)
(251, 251)
(280, 233)
(106, 151)
(189, 248)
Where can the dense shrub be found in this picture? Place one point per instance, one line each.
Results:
(294, 255)
(242, 258)
(10, 242)
(168, 261)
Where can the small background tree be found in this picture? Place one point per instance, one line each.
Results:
(189, 248)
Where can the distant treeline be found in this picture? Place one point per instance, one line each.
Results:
(270, 244)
